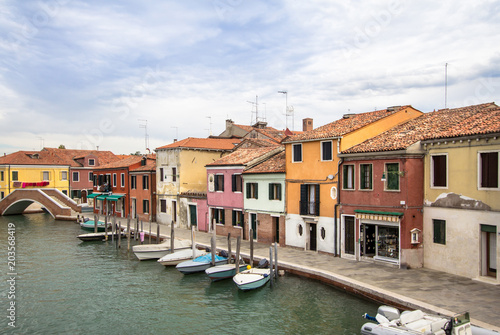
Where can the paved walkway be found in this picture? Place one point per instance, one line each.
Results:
(425, 289)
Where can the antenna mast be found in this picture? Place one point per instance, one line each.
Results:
(145, 126)
(256, 104)
(445, 85)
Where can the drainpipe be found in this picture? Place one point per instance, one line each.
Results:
(337, 205)
(9, 179)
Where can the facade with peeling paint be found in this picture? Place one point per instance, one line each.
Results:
(462, 206)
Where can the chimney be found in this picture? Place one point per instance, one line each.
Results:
(307, 124)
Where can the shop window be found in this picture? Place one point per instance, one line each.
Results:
(348, 177)
(439, 171)
(297, 153)
(439, 231)
(365, 176)
(489, 169)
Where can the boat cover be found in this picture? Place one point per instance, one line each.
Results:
(208, 258)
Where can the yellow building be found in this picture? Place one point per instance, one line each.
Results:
(462, 193)
(312, 173)
(33, 169)
(182, 178)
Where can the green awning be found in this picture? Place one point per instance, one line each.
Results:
(102, 197)
(114, 197)
(93, 195)
(362, 211)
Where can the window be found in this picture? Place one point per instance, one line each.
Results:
(91, 176)
(392, 178)
(274, 191)
(237, 218)
(95, 180)
(348, 177)
(438, 171)
(439, 231)
(163, 205)
(122, 180)
(326, 151)
(91, 162)
(145, 206)
(145, 182)
(309, 199)
(2, 194)
(365, 176)
(193, 215)
(1, 176)
(75, 176)
(46, 175)
(252, 191)
(161, 174)
(237, 182)
(64, 175)
(219, 182)
(15, 175)
(133, 182)
(114, 180)
(218, 215)
(297, 153)
(174, 174)
(488, 169)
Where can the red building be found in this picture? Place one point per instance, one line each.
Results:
(112, 184)
(143, 191)
(381, 197)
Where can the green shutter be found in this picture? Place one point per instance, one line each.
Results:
(256, 191)
(271, 191)
(279, 191)
(248, 190)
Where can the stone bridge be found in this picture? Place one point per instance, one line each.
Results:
(54, 201)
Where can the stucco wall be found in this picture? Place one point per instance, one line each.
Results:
(294, 239)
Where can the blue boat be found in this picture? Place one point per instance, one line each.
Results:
(89, 225)
(200, 264)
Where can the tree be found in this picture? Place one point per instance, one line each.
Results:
(62, 146)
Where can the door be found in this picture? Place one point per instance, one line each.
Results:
(253, 224)
(192, 215)
(312, 236)
(491, 264)
(349, 235)
(276, 221)
(368, 239)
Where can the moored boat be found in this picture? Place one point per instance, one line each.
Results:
(98, 236)
(89, 225)
(389, 321)
(224, 271)
(199, 264)
(253, 278)
(180, 256)
(156, 251)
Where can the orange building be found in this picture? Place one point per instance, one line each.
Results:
(312, 167)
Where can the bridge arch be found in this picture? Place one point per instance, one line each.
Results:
(54, 201)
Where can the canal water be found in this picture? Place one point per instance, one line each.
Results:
(65, 286)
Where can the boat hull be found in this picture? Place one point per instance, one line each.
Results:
(223, 271)
(89, 225)
(197, 265)
(180, 256)
(97, 236)
(156, 251)
(252, 278)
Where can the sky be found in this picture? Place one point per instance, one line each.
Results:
(128, 76)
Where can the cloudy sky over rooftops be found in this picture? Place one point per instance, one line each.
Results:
(90, 73)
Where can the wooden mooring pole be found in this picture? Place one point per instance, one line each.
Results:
(251, 246)
(212, 250)
(96, 218)
(172, 244)
(106, 228)
(119, 232)
(229, 248)
(276, 260)
(149, 231)
(238, 246)
(128, 233)
(271, 265)
(157, 233)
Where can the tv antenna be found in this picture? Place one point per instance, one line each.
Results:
(256, 105)
(210, 125)
(146, 136)
(445, 85)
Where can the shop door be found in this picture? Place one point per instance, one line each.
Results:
(312, 236)
(276, 229)
(253, 225)
(368, 240)
(349, 235)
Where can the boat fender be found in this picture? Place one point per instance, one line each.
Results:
(265, 275)
(368, 317)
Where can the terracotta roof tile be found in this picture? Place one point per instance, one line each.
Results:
(33, 158)
(242, 156)
(203, 143)
(344, 125)
(274, 164)
(127, 161)
(445, 123)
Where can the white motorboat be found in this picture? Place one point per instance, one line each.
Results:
(200, 264)
(180, 256)
(252, 278)
(156, 251)
(389, 321)
(224, 271)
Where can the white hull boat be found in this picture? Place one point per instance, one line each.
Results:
(223, 271)
(388, 321)
(180, 256)
(156, 251)
(200, 264)
(252, 278)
